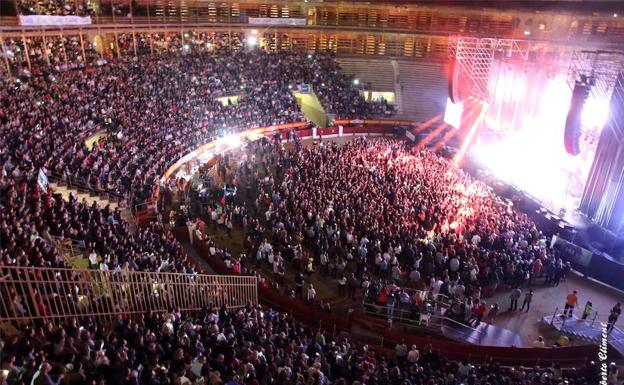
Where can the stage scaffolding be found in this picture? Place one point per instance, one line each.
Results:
(474, 57)
(603, 196)
(603, 68)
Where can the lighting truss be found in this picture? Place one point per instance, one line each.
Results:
(604, 68)
(474, 57)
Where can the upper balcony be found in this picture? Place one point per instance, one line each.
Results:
(567, 21)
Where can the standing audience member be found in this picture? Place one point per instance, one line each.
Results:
(514, 296)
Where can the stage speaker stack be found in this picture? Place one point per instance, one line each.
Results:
(572, 134)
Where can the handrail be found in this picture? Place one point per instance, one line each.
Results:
(80, 184)
(408, 320)
(593, 320)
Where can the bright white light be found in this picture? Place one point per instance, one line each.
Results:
(522, 141)
(186, 47)
(356, 81)
(615, 15)
(309, 56)
(595, 113)
(230, 141)
(186, 34)
(252, 41)
(290, 87)
(209, 45)
(453, 113)
(527, 32)
(254, 31)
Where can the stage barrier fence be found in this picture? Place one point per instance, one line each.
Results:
(28, 294)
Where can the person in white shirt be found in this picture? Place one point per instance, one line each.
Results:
(400, 351)
(197, 364)
(311, 293)
(93, 259)
(413, 356)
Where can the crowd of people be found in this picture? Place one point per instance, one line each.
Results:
(55, 7)
(403, 214)
(150, 110)
(375, 211)
(248, 345)
(367, 211)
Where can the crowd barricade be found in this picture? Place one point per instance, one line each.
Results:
(29, 294)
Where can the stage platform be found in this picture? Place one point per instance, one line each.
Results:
(484, 335)
(585, 330)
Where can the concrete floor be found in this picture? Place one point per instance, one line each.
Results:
(547, 299)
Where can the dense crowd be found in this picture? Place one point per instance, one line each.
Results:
(55, 7)
(152, 110)
(365, 211)
(388, 213)
(248, 345)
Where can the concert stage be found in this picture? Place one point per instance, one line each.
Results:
(546, 132)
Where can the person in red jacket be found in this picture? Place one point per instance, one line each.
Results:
(478, 311)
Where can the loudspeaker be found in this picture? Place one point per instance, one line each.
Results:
(453, 83)
(572, 134)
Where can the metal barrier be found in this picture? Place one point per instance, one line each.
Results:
(28, 294)
(83, 186)
(430, 322)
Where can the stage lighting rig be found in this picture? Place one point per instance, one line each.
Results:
(599, 71)
(472, 63)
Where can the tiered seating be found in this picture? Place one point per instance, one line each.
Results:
(376, 72)
(425, 89)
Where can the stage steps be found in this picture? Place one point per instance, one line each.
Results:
(585, 330)
(484, 335)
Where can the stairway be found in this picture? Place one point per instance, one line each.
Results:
(586, 330)
(312, 108)
(398, 92)
(90, 198)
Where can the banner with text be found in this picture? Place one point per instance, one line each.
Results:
(32, 20)
(275, 21)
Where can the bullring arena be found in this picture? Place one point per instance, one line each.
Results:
(304, 192)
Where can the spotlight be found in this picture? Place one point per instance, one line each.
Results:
(252, 41)
(186, 34)
(309, 56)
(356, 81)
(290, 87)
(615, 15)
(527, 32)
(186, 47)
(254, 31)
